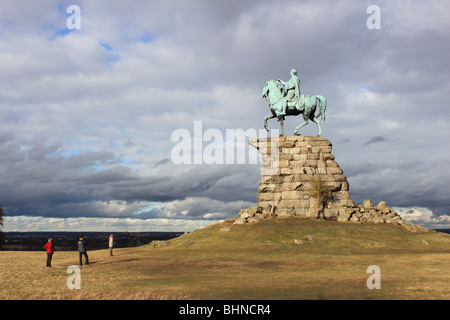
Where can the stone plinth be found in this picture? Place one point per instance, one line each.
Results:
(294, 168)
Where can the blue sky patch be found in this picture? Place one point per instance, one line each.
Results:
(105, 46)
(147, 37)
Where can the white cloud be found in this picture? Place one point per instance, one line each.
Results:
(26, 223)
(424, 217)
(203, 208)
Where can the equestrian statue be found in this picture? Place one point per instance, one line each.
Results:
(285, 100)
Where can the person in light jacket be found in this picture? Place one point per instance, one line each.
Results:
(82, 250)
(111, 244)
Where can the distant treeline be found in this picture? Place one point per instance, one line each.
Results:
(67, 241)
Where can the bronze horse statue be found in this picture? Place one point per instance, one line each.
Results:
(273, 92)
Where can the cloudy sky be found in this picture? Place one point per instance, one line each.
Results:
(88, 115)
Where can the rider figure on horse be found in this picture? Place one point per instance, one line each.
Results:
(292, 91)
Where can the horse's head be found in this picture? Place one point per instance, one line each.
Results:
(271, 88)
(265, 90)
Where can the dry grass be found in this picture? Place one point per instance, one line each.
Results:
(257, 261)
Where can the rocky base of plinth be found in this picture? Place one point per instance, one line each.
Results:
(370, 213)
(365, 213)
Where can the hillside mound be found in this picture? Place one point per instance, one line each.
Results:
(301, 234)
(303, 258)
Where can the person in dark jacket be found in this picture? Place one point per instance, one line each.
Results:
(82, 250)
(49, 247)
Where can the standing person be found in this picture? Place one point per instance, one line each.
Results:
(82, 250)
(111, 244)
(49, 247)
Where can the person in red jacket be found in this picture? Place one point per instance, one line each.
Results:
(49, 247)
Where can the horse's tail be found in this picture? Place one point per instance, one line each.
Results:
(322, 106)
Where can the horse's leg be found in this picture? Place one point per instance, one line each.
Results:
(305, 118)
(280, 118)
(316, 121)
(269, 116)
(300, 126)
(276, 110)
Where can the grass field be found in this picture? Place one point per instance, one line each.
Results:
(253, 261)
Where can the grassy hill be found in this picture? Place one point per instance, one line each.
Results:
(291, 258)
